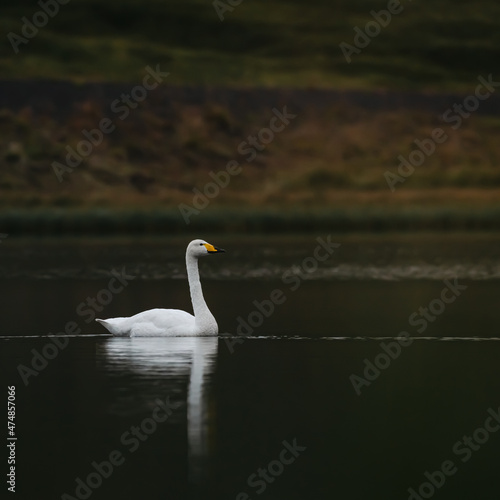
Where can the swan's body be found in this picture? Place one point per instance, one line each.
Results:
(173, 322)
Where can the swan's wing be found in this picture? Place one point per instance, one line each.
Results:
(163, 322)
(155, 322)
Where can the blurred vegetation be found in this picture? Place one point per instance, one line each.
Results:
(429, 45)
(156, 161)
(335, 156)
(328, 165)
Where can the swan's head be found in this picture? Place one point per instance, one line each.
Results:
(200, 248)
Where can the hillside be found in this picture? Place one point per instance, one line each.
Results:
(138, 105)
(336, 148)
(440, 45)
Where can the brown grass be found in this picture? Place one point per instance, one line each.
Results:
(331, 157)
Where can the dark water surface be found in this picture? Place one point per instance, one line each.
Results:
(321, 401)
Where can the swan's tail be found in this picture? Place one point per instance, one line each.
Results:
(113, 325)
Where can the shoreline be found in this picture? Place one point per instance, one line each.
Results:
(22, 222)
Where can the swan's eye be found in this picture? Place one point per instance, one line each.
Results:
(201, 244)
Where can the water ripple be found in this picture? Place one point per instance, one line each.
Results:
(416, 257)
(106, 336)
(340, 272)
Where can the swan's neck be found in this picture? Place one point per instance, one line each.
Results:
(203, 316)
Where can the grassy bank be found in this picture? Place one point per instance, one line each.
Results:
(331, 157)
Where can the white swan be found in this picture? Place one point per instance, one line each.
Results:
(173, 322)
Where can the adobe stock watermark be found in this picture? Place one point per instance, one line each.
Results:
(464, 448)
(363, 37)
(390, 351)
(87, 309)
(131, 439)
(454, 116)
(264, 476)
(292, 277)
(48, 10)
(248, 148)
(121, 108)
(221, 7)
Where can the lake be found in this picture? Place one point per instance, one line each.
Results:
(348, 366)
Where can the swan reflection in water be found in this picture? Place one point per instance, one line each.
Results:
(164, 364)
